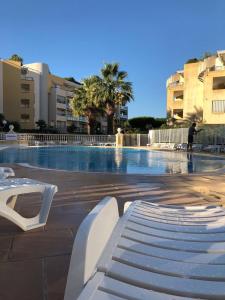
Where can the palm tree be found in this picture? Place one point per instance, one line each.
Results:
(16, 57)
(113, 90)
(86, 103)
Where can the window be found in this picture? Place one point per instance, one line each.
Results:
(61, 99)
(219, 83)
(25, 87)
(25, 103)
(218, 106)
(178, 96)
(61, 112)
(178, 113)
(25, 118)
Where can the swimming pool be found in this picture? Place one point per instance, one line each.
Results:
(111, 160)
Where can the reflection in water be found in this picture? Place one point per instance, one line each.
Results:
(118, 157)
(95, 159)
(190, 162)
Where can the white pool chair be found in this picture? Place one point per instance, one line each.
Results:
(151, 252)
(182, 146)
(6, 172)
(11, 188)
(197, 147)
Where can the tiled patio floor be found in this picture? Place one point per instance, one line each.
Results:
(34, 265)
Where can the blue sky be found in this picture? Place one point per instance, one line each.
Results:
(150, 39)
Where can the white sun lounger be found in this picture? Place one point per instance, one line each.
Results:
(11, 188)
(6, 172)
(152, 252)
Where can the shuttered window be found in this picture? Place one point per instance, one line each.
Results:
(218, 106)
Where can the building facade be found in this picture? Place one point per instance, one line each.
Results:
(17, 97)
(29, 93)
(199, 89)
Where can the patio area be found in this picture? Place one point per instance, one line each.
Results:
(34, 264)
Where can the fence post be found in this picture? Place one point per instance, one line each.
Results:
(138, 140)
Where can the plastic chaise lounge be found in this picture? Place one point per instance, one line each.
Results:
(6, 172)
(151, 252)
(11, 188)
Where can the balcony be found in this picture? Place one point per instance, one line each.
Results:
(178, 96)
(83, 119)
(25, 88)
(178, 114)
(219, 83)
(175, 84)
(70, 117)
(27, 78)
(123, 107)
(124, 117)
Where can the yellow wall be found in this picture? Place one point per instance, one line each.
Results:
(12, 94)
(210, 95)
(193, 89)
(171, 104)
(11, 90)
(198, 95)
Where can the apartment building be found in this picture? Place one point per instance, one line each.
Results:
(122, 114)
(199, 89)
(17, 96)
(30, 92)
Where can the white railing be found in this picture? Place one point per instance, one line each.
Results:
(177, 135)
(211, 135)
(31, 138)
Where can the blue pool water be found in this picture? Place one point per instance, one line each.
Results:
(123, 161)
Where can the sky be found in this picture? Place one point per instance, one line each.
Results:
(150, 39)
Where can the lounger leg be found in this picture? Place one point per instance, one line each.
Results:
(12, 201)
(47, 198)
(7, 211)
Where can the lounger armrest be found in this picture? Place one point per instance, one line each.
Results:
(91, 239)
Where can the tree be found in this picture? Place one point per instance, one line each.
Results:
(143, 124)
(71, 79)
(2, 117)
(86, 101)
(72, 128)
(41, 124)
(113, 90)
(206, 55)
(192, 60)
(16, 57)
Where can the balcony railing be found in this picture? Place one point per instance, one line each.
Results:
(123, 107)
(174, 84)
(61, 114)
(76, 118)
(219, 68)
(27, 78)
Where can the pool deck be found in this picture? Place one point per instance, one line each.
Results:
(34, 265)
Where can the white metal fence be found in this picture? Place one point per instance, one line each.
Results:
(210, 135)
(135, 140)
(177, 136)
(31, 138)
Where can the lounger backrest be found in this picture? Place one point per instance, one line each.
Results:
(87, 247)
